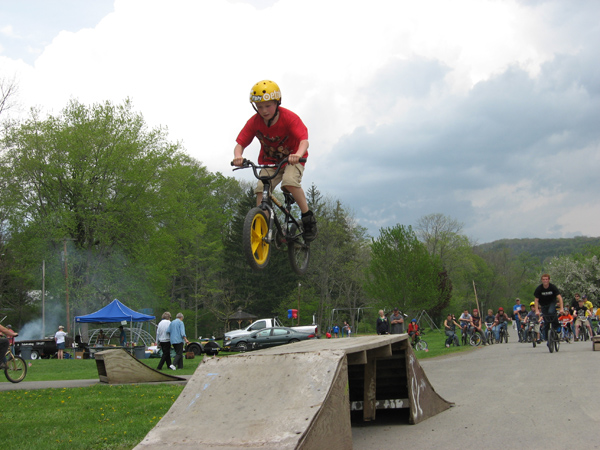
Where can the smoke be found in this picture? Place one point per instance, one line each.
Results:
(34, 329)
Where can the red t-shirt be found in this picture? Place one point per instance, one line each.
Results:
(277, 142)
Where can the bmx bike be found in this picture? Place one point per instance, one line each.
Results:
(16, 368)
(263, 228)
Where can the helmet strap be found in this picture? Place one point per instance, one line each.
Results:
(274, 116)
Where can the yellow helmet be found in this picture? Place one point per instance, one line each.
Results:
(532, 304)
(264, 91)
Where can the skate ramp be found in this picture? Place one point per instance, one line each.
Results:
(297, 396)
(119, 367)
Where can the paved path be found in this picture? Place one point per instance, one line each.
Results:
(501, 391)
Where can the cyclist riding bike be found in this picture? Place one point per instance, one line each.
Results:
(477, 325)
(413, 330)
(581, 319)
(532, 320)
(566, 322)
(4, 344)
(500, 321)
(281, 134)
(590, 314)
(466, 322)
(450, 329)
(546, 295)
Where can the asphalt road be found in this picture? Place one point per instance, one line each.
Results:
(506, 396)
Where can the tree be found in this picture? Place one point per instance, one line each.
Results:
(88, 180)
(8, 90)
(402, 273)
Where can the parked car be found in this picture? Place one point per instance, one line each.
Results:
(262, 324)
(269, 337)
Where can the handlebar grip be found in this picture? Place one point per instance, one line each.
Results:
(302, 159)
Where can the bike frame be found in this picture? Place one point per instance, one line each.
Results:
(268, 199)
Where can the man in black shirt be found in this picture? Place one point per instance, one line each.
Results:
(546, 295)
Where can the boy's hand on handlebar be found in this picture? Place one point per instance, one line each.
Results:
(238, 161)
(293, 159)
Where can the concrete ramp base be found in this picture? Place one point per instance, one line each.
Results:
(297, 396)
(119, 367)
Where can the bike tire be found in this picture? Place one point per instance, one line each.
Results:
(298, 252)
(16, 369)
(256, 248)
(550, 340)
(455, 341)
(421, 345)
(475, 340)
(556, 341)
(506, 337)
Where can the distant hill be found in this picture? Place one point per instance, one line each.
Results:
(544, 248)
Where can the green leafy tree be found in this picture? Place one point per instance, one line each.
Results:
(88, 181)
(402, 272)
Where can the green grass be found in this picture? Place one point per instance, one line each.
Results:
(95, 417)
(85, 369)
(436, 343)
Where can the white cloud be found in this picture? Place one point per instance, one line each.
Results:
(412, 107)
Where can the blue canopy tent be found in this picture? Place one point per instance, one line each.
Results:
(114, 312)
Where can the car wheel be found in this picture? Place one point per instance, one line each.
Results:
(35, 354)
(294, 340)
(241, 346)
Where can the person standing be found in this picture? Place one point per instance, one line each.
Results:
(59, 337)
(383, 326)
(163, 340)
(515, 316)
(122, 337)
(178, 337)
(396, 322)
(545, 297)
(336, 331)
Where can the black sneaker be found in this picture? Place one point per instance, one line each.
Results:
(309, 223)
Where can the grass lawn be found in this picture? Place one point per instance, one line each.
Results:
(85, 369)
(102, 416)
(95, 417)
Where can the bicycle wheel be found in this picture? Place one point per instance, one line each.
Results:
(475, 340)
(550, 340)
(16, 369)
(506, 337)
(455, 341)
(421, 345)
(556, 340)
(533, 338)
(298, 252)
(256, 247)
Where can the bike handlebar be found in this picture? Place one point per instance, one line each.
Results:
(247, 163)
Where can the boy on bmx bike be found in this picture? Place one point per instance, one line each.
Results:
(281, 134)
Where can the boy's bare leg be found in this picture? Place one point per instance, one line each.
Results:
(298, 194)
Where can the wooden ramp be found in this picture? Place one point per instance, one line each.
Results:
(297, 396)
(119, 367)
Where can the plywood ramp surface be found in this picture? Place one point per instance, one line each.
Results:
(260, 401)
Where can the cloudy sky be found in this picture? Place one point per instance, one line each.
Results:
(485, 111)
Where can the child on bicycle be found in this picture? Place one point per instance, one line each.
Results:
(281, 134)
(532, 321)
(413, 330)
(566, 320)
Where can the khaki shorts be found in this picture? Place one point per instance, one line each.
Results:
(290, 176)
(580, 322)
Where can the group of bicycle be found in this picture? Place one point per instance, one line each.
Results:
(547, 320)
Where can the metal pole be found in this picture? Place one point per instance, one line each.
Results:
(43, 299)
(299, 285)
(67, 288)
